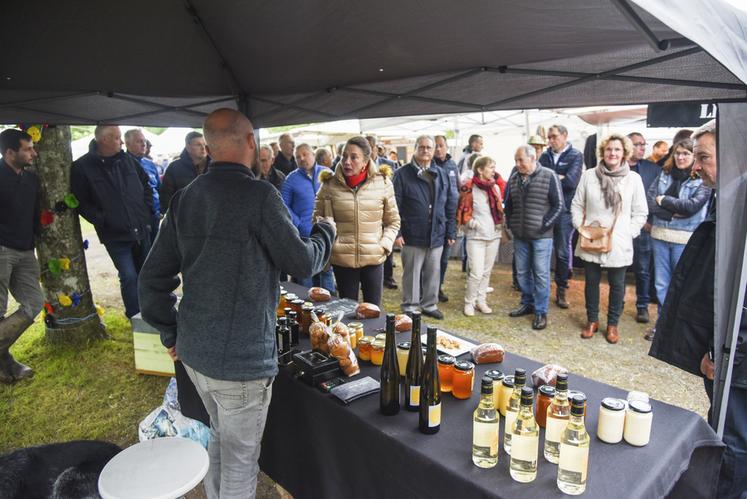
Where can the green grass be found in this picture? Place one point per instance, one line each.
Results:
(89, 392)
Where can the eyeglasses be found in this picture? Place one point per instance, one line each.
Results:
(639, 144)
(553, 136)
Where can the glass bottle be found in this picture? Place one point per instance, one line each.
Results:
(557, 417)
(389, 390)
(574, 451)
(294, 328)
(512, 407)
(429, 420)
(485, 428)
(283, 336)
(414, 369)
(524, 440)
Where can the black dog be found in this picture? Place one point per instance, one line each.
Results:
(61, 471)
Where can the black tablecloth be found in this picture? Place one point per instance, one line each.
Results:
(314, 446)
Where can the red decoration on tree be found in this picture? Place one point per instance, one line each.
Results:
(47, 217)
(48, 308)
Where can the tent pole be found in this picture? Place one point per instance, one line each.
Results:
(634, 19)
(526, 125)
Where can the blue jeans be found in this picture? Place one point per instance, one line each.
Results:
(238, 412)
(128, 258)
(732, 480)
(533, 272)
(324, 279)
(642, 264)
(562, 234)
(666, 256)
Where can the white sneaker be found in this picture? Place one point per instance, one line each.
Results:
(489, 289)
(469, 310)
(483, 307)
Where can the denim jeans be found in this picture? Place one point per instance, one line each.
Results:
(128, 258)
(533, 271)
(732, 480)
(666, 256)
(562, 234)
(616, 280)
(238, 412)
(324, 279)
(19, 275)
(642, 265)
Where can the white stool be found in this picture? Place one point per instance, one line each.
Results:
(162, 468)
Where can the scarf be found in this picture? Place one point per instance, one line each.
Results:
(494, 197)
(678, 177)
(354, 181)
(610, 181)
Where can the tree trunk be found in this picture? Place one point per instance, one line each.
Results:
(63, 281)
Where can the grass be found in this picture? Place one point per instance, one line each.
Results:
(89, 392)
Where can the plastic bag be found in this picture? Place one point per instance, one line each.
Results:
(547, 374)
(339, 347)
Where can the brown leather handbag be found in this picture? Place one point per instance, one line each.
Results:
(594, 238)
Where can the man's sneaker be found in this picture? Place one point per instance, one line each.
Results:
(642, 316)
(434, 314)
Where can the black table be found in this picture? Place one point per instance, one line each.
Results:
(314, 446)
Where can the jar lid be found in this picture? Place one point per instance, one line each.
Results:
(547, 390)
(298, 302)
(508, 381)
(613, 404)
(290, 296)
(464, 365)
(283, 292)
(405, 345)
(573, 393)
(355, 325)
(366, 340)
(494, 374)
(379, 343)
(640, 406)
(320, 310)
(380, 336)
(446, 359)
(307, 307)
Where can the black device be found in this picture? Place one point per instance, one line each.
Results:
(316, 367)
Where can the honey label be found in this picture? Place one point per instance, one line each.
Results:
(524, 448)
(574, 460)
(414, 396)
(554, 429)
(434, 415)
(486, 435)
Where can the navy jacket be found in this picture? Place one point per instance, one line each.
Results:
(648, 172)
(114, 195)
(571, 164)
(178, 175)
(228, 236)
(427, 220)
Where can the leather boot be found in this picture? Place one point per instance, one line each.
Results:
(589, 330)
(11, 329)
(612, 334)
(560, 300)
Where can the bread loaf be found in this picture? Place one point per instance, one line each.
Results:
(319, 294)
(402, 322)
(487, 353)
(367, 311)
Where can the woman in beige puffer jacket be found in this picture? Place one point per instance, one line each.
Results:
(359, 196)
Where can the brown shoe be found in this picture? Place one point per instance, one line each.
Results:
(589, 330)
(612, 334)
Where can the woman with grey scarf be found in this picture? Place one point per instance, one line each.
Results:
(610, 196)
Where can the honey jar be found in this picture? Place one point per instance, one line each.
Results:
(446, 371)
(463, 380)
(377, 352)
(365, 344)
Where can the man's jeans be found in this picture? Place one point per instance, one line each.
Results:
(533, 271)
(324, 279)
(19, 274)
(562, 234)
(732, 481)
(238, 411)
(128, 258)
(666, 256)
(642, 264)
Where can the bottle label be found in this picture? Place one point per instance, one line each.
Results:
(524, 448)
(510, 418)
(574, 461)
(486, 435)
(554, 429)
(414, 395)
(434, 415)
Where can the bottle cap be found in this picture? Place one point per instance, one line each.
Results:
(520, 377)
(547, 390)
(561, 382)
(282, 321)
(494, 374)
(405, 345)
(486, 385)
(527, 396)
(292, 314)
(390, 318)
(509, 381)
(578, 404)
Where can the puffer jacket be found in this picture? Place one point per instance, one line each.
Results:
(367, 217)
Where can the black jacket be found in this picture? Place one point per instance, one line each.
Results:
(283, 165)
(178, 175)
(684, 331)
(114, 195)
(20, 214)
(571, 165)
(275, 177)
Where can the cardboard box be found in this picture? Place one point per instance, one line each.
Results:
(150, 354)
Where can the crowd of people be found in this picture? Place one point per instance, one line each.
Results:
(234, 218)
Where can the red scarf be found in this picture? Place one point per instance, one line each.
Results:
(355, 180)
(494, 197)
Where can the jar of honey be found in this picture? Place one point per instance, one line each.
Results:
(282, 303)
(305, 318)
(497, 377)
(377, 352)
(321, 315)
(297, 307)
(446, 371)
(463, 380)
(365, 345)
(356, 332)
(403, 352)
(544, 399)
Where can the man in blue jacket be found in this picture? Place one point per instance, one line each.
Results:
(426, 202)
(299, 192)
(229, 237)
(136, 146)
(568, 163)
(643, 255)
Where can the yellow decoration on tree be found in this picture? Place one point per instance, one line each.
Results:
(64, 300)
(100, 310)
(35, 133)
(65, 263)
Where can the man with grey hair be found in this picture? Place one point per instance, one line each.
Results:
(427, 205)
(534, 201)
(136, 147)
(684, 330)
(323, 157)
(568, 163)
(228, 236)
(265, 171)
(285, 161)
